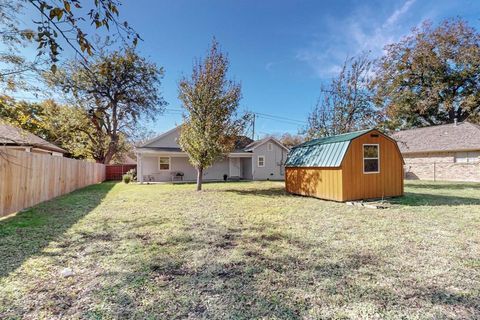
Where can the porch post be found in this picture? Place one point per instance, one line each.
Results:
(139, 168)
(253, 167)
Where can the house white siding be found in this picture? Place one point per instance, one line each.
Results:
(242, 163)
(168, 141)
(151, 171)
(273, 168)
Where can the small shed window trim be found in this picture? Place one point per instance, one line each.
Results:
(376, 158)
(269, 146)
(263, 161)
(161, 161)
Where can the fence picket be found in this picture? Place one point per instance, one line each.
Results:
(28, 178)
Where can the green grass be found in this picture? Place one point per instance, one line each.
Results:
(241, 251)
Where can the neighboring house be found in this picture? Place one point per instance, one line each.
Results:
(15, 138)
(352, 166)
(443, 152)
(161, 159)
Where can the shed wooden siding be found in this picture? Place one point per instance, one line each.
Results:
(325, 183)
(348, 182)
(387, 183)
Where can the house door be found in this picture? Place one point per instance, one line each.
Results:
(234, 167)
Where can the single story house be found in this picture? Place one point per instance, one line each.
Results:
(449, 152)
(18, 139)
(162, 159)
(358, 165)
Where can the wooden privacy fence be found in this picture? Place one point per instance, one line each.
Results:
(28, 178)
(116, 171)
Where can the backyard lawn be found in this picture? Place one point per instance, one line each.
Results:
(241, 251)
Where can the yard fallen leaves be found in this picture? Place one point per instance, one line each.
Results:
(240, 251)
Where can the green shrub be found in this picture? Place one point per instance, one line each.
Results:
(133, 174)
(127, 178)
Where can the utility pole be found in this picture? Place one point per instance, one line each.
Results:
(253, 127)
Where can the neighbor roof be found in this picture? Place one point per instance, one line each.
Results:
(10, 135)
(242, 142)
(322, 152)
(447, 137)
(257, 143)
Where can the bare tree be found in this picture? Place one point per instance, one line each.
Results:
(345, 104)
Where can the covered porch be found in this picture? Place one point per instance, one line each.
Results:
(175, 167)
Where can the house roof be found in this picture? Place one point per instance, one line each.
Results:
(125, 160)
(164, 149)
(447, 137)
(322, 152)
(243, 144)
(257, 143)
(10, 135)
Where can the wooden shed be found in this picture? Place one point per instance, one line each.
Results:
(353, 166)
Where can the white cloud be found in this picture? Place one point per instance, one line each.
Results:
(396, 15)
(344, 38)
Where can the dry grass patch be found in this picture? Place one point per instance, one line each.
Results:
(240, 251)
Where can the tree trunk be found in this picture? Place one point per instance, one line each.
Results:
(111, 151)
(199, 178)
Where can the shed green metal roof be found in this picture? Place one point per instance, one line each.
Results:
(322, 152)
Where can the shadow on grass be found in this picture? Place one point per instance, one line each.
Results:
(29, 232)
(251, 283)
(428, 199)
(444, 186)
(270, 192)
(257, 282)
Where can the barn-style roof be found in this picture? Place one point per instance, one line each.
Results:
(322, 152)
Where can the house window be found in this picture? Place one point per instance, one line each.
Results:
(164, 163)
(269, 146)
(261, 161)
(467, 157)
(371, 160)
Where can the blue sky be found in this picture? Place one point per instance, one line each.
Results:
(280, 51)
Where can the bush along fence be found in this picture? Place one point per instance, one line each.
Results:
(28, 178)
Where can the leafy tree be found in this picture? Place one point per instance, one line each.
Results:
(58, 24)
(61, 125)
(345, 104)
(116, 91)
(66, 126)
(431, 76)
(210, 100)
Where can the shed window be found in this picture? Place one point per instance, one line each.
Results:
(371, 158)
(164, 163)
(269, 146)
(261, 161)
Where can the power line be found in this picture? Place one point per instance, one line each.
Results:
(279, 117)
(261, 115)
